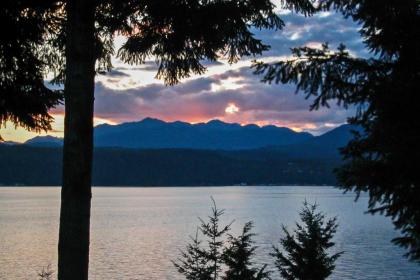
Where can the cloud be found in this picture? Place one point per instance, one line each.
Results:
(328, 27)
(196, 100)
(129, 93)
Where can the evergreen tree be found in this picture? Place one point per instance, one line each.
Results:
(193, 263)
(24, 98)
(237, 257)
(205, 262)
(177, 34)
(232, 254)
(304, 255)
(383, 160)
(214, 234)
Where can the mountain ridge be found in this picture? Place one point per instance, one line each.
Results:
(310, 162)
(212, 135)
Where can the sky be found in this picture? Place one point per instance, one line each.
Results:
(231, 93)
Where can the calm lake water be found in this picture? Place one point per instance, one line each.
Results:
(135, 232)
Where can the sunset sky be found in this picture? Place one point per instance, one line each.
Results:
(231, 93)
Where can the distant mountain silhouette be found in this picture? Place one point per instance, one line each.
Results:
(214, 135)
(8, 143)
(324, 146)
(309, 162)
(45, 141)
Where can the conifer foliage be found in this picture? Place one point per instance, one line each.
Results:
(383, 160)
(238, 257)
(74, 40)
(214, 234)
(221, 256)
(304, 255)
(24, 98)
(193, 263)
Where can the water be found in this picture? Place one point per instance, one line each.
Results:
(135, 232)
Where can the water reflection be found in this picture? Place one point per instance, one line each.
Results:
(137, 231)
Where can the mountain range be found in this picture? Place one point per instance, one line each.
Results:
(213, 135)
(156, 153)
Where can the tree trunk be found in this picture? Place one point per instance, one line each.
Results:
(73, 245)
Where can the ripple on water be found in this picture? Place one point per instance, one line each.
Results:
(137, 231)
